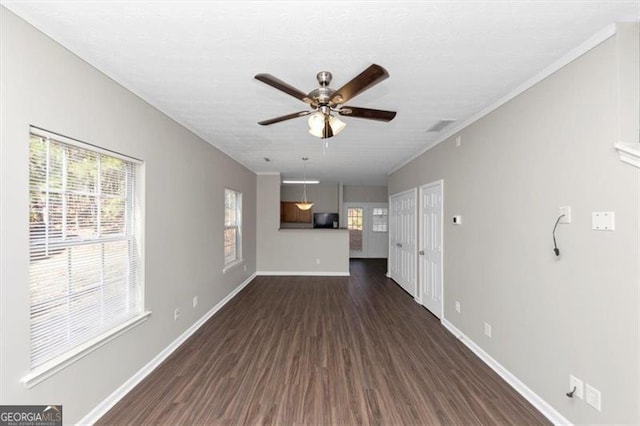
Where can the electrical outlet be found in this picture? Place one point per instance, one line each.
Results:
(458, 140)
(577, 383)
(176, 314)
(245, 268)
(593, 397)
(317, 261)
(487, 329)
(195, 301)
(457, 306)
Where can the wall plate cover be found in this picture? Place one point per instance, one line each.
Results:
(603, 221)
(577, 383)
(566, 211)
(593, 397)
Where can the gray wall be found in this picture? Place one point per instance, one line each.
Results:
(628, 40)
(362, 194)
(295, 250)
(45, 85)
(551, 317)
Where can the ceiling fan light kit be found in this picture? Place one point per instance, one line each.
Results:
(317, 124)
(326, 102)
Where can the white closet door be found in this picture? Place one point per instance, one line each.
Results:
(402, 240)
(430, 254)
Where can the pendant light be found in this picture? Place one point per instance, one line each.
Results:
(304, 204)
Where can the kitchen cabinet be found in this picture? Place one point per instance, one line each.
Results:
(289, 212)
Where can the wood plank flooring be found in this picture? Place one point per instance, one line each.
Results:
(323, 350)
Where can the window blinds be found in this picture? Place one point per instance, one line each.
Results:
(84, 261)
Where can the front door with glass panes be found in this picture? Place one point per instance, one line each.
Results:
(368, 229)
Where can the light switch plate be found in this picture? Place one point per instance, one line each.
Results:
(593, 397)
(603, 221)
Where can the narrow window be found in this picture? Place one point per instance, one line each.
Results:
(84, 277)
(232, 227)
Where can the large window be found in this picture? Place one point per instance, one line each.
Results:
(84, 278)
(232, 227)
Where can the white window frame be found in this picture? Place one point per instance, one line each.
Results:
(237, 225)
(52, 366)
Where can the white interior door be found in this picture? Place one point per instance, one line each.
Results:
(402, 240)
(430, 254)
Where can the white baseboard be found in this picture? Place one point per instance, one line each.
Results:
(108, 403)
(303, 273)
(534, 399)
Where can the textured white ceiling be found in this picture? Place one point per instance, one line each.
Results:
(196, 61)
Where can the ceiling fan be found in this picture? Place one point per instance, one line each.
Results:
(324, 101)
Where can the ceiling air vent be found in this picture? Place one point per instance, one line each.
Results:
(440, 125)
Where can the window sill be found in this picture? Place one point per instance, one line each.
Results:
(50, 368)
(232, 265)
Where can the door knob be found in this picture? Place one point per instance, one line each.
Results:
(421, 252)
(398, 245)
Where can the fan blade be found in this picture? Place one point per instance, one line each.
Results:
(370, 114)
(366, 79)
(327, 132)
(284, 117)
(286, 88)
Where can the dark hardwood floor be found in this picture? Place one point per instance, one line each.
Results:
(323, 350)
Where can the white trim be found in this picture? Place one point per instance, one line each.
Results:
(598, 38)
(544, 407)
(302, 273)
(629, 153)
(108, 403)
(267, 173)
(58, 363)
